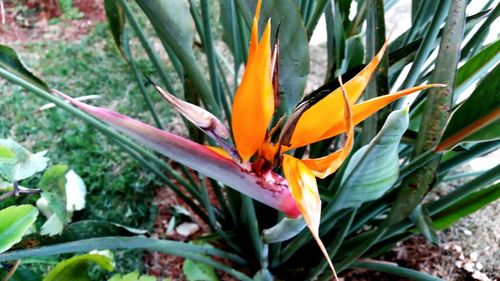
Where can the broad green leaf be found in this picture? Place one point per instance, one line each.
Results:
(294, 50)
(374, 168)
(116, 20)
(476, 67)
(293, 45)
(172, 21)
(196, 271)
(132, 276)
(466, 206)
(53, 226)
(196, 156)
(27, 164)
(14, 222)
(286, 229)
(420, 217)
(7, 156)
(76, 268)
(478, 118)
(11, 62)
(354, 53)
(53, 185)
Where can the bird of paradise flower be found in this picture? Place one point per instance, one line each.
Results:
(250, 166)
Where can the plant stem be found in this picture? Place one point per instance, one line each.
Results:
(140, 82)
(17, 191)
(158, 65)
(426, 47)
(436, 113)
(375, 38)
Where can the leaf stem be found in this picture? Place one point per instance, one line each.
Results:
(394, 269)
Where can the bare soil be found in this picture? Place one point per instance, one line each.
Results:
(23, 24)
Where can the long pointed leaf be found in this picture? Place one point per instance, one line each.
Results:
(478, 118)
(11, 62)
(199, 158)
(466, 206)
(190, 251)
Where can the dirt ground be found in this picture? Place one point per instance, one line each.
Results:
(24, 24)
(470, 249)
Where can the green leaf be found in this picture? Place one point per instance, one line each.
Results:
(27, 164)
(53, 226)
(7, 156)
(85, 229)
(354, 52)
(172, 21)
(230, 32)
(116, 21)
(53, 185)
(75, 268)
(466, 206)
(189, 251)
(294, 49)
(132, 276)
(286, 229)
(476, 67)
(336, 39)
(94, 228)
(14, 222)
(394, 269)
(11, 62)
(374, 168)
(420, 217)
(196, 271)
(478, 118)
(54, 179)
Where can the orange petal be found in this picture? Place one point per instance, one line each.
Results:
(325, 166)
(219, 150)
(254, 36)
(302, 185)
(323, 115)
(367, 108)
(253, 105)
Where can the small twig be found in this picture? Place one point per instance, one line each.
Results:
(18, 191)
(12, 271)
(6, 195)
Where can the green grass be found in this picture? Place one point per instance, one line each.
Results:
(119, 190)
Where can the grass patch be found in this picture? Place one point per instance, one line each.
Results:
(119, 190)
